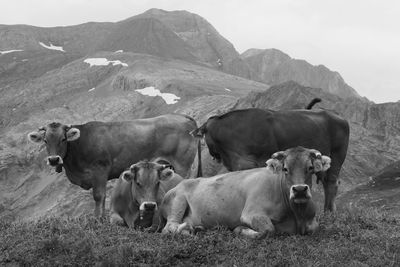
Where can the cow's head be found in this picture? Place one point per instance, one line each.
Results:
(145, 177)
(55, 136)
(298, 165)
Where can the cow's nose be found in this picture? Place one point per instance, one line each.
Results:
(149, 206)
(53, 160)
(300, 188)
(300, 193)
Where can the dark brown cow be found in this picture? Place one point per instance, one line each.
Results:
(139, 191)
(252, 202)
(244, 139)
(95, 152)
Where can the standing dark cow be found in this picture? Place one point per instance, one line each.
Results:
(244, 139)
(140, 190)
(95, 152)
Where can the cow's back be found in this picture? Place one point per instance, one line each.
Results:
(220, 200)
(117, 145)
(256, 134)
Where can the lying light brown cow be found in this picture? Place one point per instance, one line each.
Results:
(252, 202)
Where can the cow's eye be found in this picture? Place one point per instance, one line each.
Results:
(285, 170)
(138, 184)
(45, 141)
(311, 168)
(64, 139)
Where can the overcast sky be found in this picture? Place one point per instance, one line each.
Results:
(358, 38)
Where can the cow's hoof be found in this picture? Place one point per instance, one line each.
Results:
(117, 220)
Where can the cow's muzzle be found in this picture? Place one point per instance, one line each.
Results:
(300, 193)
(146, 208)
(54, 160)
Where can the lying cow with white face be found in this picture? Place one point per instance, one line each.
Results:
(252, 202)
(140, 190)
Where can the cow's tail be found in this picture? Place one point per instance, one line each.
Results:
(313, 102)
(199, 165)
(199, 134)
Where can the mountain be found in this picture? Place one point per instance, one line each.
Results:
(93, 71)
(176, 35)
(274, 67)
(203, 39)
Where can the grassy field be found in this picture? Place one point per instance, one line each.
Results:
(350, 238)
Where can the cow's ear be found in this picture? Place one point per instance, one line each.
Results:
(166, 174)
(73, 134)
(274, 165)
(36, 137)
(127, 176)
(322, 164)
(280, 155)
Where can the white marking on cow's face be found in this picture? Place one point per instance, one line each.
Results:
(143, 206)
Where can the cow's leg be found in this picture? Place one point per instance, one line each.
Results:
(99, 196)
(131, 218)
(312, 226)
(330, 182)
(176, 212)
(116, 219)
(258, 223)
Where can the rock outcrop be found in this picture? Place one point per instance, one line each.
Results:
(274, 67)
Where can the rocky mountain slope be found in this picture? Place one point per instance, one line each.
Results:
(106, 71)
(274, 67)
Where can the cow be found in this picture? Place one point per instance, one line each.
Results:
(246, 138)
(95, 152)
(253, 202)
(139, 191)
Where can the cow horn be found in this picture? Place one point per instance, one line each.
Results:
(67, 127)
(315, 154)
(280, 155)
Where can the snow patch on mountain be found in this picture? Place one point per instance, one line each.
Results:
(101, 61)
(151, 91)
(9, 51)
(52, 47)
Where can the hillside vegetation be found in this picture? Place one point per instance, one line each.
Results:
(350, 238)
